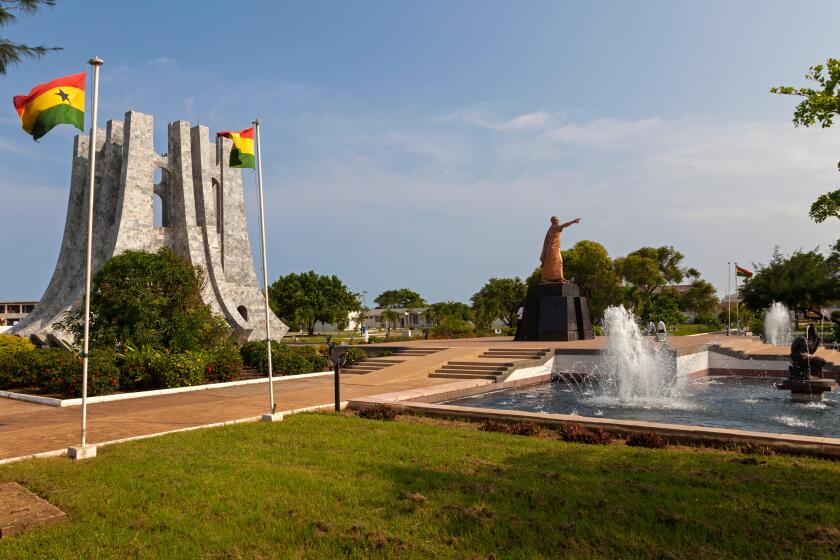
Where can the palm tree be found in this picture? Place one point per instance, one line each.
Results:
(390, 316)
(13, 53)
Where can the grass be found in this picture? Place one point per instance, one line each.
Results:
(327, 486)
(684, 329)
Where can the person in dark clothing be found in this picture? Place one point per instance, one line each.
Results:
(803, 364)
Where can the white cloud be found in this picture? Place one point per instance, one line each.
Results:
(481, 117)
(162, 63)
(716, 190)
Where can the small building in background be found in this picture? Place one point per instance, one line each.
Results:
(11, 312)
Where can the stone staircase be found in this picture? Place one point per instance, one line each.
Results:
(493, 364)
(517, 353)
(416, 351)
(369, 365)
(473, 370)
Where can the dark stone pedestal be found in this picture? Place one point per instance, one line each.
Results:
(807, 389)
(554, 312)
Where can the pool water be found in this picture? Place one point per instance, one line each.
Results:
(744, 403)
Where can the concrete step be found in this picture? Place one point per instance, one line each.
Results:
(439, 375)
(469, 363)
(489, 369)
(382, 361)
(515, 353)
(517, 356)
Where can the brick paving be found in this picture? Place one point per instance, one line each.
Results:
(28, 428)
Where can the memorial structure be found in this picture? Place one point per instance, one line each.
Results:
(554, 309)
(201, 217)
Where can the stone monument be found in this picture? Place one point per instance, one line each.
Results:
(554, 309)
(203, 219)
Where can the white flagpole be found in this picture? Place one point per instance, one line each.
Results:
(95, 62)
(728, 297)
(737, 314)
(272, 404)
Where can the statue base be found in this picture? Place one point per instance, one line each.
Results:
(554, 312)
(807, 390)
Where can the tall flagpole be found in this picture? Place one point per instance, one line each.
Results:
(737, 314)
(95, 62)
(271, 403)
(728, 297)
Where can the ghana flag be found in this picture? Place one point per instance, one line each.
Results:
(242, 154)
(61, 101)
(743, 272)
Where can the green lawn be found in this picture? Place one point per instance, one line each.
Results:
(327, 486)
(687, 329)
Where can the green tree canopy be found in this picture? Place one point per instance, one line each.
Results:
(402, 297)
(390, 317)
(804, 281)
(437, 312)
(701, 297)
(13, 53)
(306, 298)
(820, 105)
(499, 298)
(590, 267)
(149, 300)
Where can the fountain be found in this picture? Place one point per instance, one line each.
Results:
(777, 325)
(634, 371)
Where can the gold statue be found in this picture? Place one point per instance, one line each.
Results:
(551, 259)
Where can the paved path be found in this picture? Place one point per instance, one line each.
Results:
(28, 428)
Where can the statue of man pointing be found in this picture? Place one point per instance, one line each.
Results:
(551, 259)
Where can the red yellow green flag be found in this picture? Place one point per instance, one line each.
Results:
(743, 272)
(242, 154)
(61, 101)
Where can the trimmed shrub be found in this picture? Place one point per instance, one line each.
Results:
(575, 433)
(60, 372)
(16, 369)
(645, 439)
(353, 355)
(285, 360)
(151, 369)
(184, 369)
(452, 327)
(12, 343)
(515, 428)
(224, 364)
(378, 412)
(385, 354)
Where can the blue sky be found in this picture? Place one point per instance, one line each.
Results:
(426, 144)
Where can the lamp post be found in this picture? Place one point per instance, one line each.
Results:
(337, 357)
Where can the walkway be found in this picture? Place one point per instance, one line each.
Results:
(28, 428)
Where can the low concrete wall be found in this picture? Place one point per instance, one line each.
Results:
(675, 433)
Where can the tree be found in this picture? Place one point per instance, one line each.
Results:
(826, 206)
(589, 265)
(307, 298)
(499, 298)
(804, 281)
(661, 307)
(819, 106)
(390, 317)
(701, 297)
(437, 312)
(401, 298)
(149, 300)
(13, 53)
